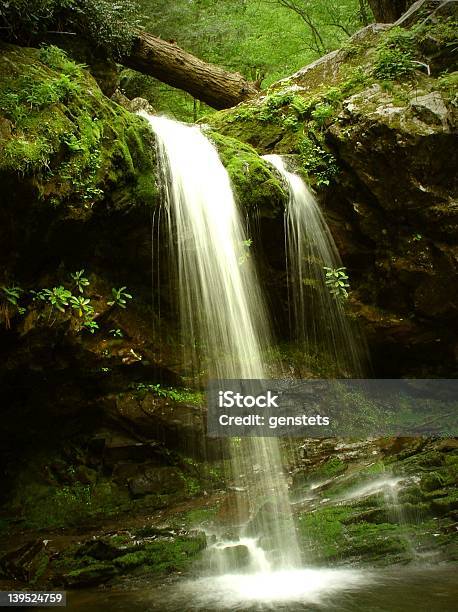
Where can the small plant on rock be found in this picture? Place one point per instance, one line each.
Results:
(58, 297)
(336, 280)
(322, 113)
(80, 280)
(82, 305)
(120, 297)
(90, 325)
(12, 294)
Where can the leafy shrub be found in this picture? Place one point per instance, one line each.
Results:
(110, 25)
(80, 280)
(336, 280)
(12, 294)
(395, 57)
(322, 113)
(393, 64)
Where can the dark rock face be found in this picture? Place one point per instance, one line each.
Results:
(399, 195)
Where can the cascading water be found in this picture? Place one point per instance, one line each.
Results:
(222, 311)
(319, 319)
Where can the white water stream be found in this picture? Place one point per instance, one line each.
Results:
(318, 318)
(222, 312)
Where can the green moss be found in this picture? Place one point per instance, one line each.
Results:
(448, 83)
(74, 143)
(332, 467)
(256, 185)
(198, 516)
(339, 533)
(95, 573)
(43, 506)
(165, 555)
(177, 394)
(324, 528)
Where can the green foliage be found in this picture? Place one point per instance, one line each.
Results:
(12, 294)
(182, 395)
(30, 94)
(9, 303)
(73, 140)
(58, 60)
(322, 113)
(448, 83)
(82, 305)
(317, 162)
(336, 280)
(402, 51)
(283, 108)
(120, 297)
(58, 297)
(247, 37)
(395, 55)
(90, 325)
(116, 333)
(107, 25)
(393, 64)
(80, 281)
(70, 504)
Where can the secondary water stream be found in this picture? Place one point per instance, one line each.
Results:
(318, 318)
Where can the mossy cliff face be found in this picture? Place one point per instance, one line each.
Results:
(372, 127)
(78, 188)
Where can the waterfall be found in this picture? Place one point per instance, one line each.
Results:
(318, 318)
(223, 314)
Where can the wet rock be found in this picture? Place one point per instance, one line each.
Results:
(234, 509)
(153, 479)
(140, 104)
(232, 557)
(100, 549)
(175, 425)
(94, 574)
(26, 563)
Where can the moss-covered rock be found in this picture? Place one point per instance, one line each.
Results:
(70, 144)
(256, 185)
(386, 507)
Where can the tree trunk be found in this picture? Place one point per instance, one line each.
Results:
(167, 62)
(388, 11)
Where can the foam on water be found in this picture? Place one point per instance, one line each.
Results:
(302, 586)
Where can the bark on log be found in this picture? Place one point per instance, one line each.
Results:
(169, 63)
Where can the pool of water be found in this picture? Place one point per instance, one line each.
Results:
(406, 589)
